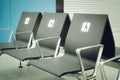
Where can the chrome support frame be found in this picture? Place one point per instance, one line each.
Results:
(11, 29)
(30, 39)
(57, 47)
(49, 38)
(0, 52)
(118, 76)
(39, 49)
(102, 71)
(102, 67)
(78, 51)
(11, 35)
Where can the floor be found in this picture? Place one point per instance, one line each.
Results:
(9, 71)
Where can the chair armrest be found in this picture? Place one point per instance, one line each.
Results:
(23, 32)
(78, 51)
(111, 59)
(103, 74)
(11, 29)
(49, 38)
(26, 32)
(30, 38)
(6, 28)
(88, 47)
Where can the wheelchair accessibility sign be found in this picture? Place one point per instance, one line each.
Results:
(27, 20)
(51, 23)
(85, 26)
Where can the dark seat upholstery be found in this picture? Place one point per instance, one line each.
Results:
(85, 30)
(62, 65)
(28, 25)
(27, 54)
(51, 33)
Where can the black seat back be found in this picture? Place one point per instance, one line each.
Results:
(90, 29)
(29, 22)
(53, 25)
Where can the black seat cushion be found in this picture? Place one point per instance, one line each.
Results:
(62, 65)
(32, 53)
(11, 45)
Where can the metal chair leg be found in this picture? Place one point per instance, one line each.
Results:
(102, 71)
(118, 76)
(20, 66)
(1, 53)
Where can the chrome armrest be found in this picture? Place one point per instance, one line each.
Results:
(20, 33)
(111, 59)
(30, 38)
(103, 75)
(11, 29)
(78, 51)
(23, 32)
(6, 28)
(49, 38)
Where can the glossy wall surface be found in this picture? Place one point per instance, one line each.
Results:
(11, 10)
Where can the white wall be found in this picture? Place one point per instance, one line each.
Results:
(110, 7)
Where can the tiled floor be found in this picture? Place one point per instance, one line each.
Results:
(9, 71)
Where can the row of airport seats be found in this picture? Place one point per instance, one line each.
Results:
(49, 34)
(86, 39)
